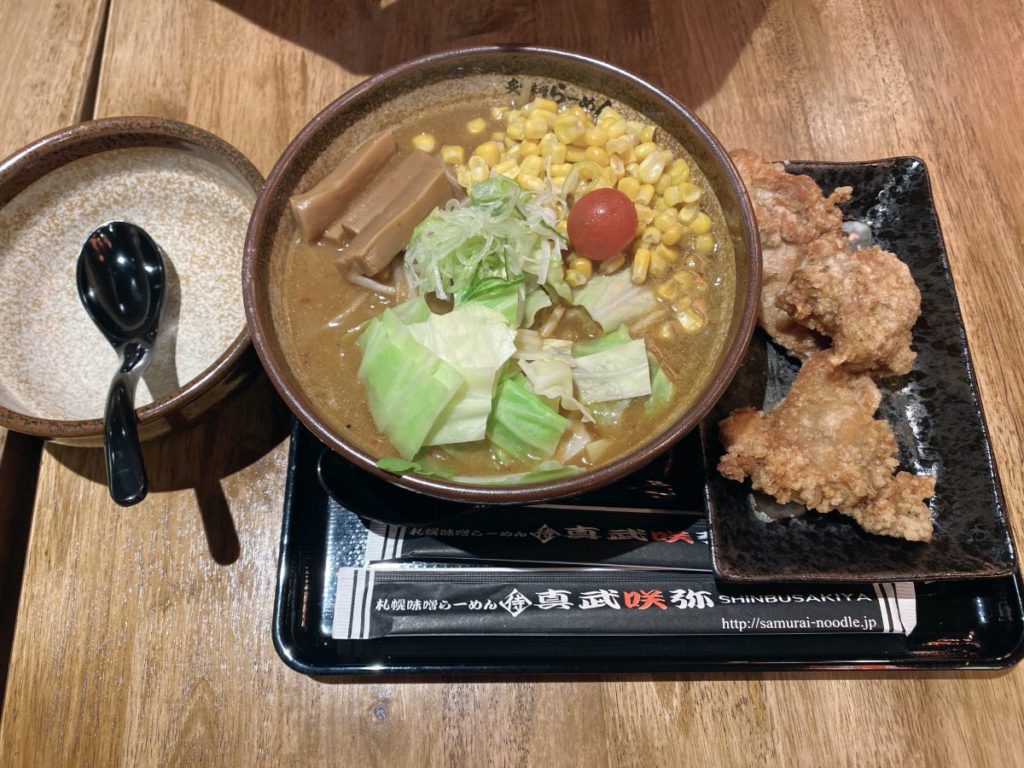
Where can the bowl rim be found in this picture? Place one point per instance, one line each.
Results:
(261, 326)
(164, 132)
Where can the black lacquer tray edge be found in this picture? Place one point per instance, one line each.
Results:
(287, 647)
(1012, 565)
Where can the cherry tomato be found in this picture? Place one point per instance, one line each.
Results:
(601, 224)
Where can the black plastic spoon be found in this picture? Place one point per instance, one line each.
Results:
(121, 282)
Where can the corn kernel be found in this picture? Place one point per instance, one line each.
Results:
(560, 169)
(568, 128)
(574, 278)
(645, 215)
(515, 114)
(596, 155)
(672, 235)
(671, 196)
(690, 193)
(659, 267)
(668, 290)
(477, 125)
(563, 227)
(531, 183)
(547, 115)
(629, 187)
(595, 137)
(478, 168)
(683, 302)
(555, 150)
(704, 244)
(635, 126)
(686, 279)
(647, 133)
(532, 165)
(535, 128)
(688, 213)
(617, 129)
(701, 224)
(619, 146)
(679, 171)
(547, 104)
(497, 113)
(575, 155)
(666, 254)
(507, 168)
(646, 194)
(463, 176)
(489, 151)
(691, 320)
(652, 167)
(609, 114)
(617, 166)
(665, 221)
(663, 183)
(645, 150)
(498, 136)
(425, 142)
(667, 331)
(584, 266)
(651, 236)
(453, 154)
(631, 167)
(516, 130)
(514, 153)
(530, 148)
(641, 265)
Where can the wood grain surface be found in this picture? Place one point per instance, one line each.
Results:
(143, 635)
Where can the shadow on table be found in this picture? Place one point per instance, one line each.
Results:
(365, 37)
(238, 432)
(19, 473)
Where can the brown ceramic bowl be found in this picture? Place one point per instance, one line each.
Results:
(484, 73)
(176, 181)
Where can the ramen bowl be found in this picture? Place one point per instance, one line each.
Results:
(483, 75)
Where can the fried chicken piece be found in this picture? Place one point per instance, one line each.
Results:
(792, 214)
(822, 447)
(866, 301)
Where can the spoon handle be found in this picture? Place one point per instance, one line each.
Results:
(126, 474)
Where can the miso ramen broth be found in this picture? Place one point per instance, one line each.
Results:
(672, 286)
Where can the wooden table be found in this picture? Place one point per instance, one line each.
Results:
(143, 636)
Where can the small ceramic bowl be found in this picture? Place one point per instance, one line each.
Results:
(193, 193)
(483, 75)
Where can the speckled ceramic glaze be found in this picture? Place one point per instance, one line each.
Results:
(193, 193)
(481, 74)
(934, 410)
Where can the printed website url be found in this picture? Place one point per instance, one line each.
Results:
(756, 624)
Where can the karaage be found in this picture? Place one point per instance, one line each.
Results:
(866, 301)
(792, 214)
(822, 447)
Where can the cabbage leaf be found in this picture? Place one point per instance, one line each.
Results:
(476, 341)
(407, 385)
(613, 300)
(522, 424)
(619, 373)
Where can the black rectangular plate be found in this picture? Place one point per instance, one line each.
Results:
(934, 410)
(965, 624)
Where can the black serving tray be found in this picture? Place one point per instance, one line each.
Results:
(960, 624)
